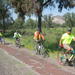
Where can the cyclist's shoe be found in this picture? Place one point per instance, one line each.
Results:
(62, 60)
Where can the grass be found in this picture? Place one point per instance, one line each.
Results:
(11, 40)
(52, 36)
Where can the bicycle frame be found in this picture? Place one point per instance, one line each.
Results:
(41, 49)
(17, 42)
(69, 57)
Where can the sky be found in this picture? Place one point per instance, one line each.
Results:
(47, 11)
(54, 11)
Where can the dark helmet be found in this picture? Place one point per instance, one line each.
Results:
(69, 29)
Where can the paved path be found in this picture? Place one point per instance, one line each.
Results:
(37, 63)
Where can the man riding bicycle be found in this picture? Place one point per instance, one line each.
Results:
(66, 40)
(38, 38)
(17, 37)
(1, 37)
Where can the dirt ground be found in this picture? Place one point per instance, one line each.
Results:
(12, 66)
(40, 65)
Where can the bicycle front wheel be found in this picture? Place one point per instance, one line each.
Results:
(61, 56)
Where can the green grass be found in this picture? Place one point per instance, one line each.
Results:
(11, 40)
(28, 42)
(52, 37)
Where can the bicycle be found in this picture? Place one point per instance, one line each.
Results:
(17, 42)
(66, 57)
(40, 49)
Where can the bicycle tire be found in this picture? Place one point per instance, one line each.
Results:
(61, 58)
(65, 60)
(37, 49)
(17, 42)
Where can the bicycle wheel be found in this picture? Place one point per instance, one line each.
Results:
(62, 57)
(45, 53)
(18, 43)
(38, 49)
(74, 62)
(65, 58)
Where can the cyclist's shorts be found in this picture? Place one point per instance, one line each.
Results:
(0, 39)
(67, 47)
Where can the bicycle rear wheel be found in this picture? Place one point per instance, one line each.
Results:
(18, 43)
(45, 53)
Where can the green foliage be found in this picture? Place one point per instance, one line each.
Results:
(70, 19)
(30, 23)
(18, 24)
(5, 19)
(22, 7)
(47, 21)
(9, 33)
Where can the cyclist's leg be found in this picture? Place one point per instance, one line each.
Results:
(40, 47)
(1, 40)
(69, 54)
(18, 42)
(67, 47)
(61, 56)
(37, 47)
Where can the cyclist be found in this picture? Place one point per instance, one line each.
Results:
(65, 41)
(1, 37)
(17, 37)
(39, 38)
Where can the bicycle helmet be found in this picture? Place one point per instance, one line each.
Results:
(69, 29)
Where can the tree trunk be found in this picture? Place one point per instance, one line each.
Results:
(4, 28)
(21, 16)
(39, 22)
(40, 18)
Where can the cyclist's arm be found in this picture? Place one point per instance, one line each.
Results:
(60, 42)
(42, 36)
(20, 35)
(14, 35)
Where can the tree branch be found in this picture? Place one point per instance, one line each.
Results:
(46, 2)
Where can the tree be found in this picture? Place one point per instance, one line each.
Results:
(41, 4)
(17, 24)
(70, 19)
(22, 7)
(26, 6)
(4, 14)
(48, 21)
(30, 23)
